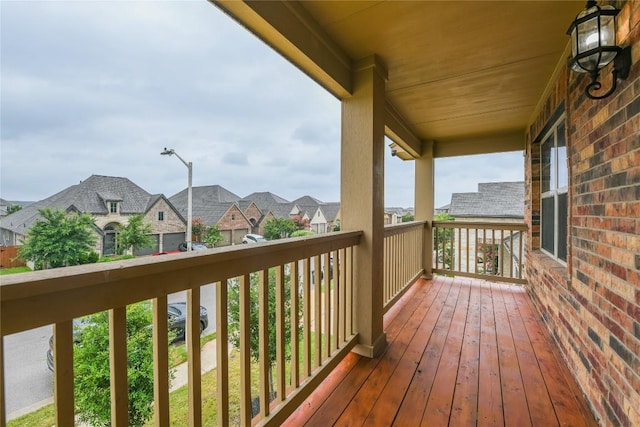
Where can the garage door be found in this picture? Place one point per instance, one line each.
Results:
(171, 241)
(151, 250)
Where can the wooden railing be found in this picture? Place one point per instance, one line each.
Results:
(487, 250)
(403, 246)
(317, 271)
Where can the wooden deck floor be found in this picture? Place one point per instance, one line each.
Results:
(461, 352)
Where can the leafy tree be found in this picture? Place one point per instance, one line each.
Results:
(92, 371)
(444, 248)
(302, 233)
(135, 235)
(212, 235)
(336, 226)
(279, 228)
(254, 310)
(59, 239)
(198, 228)
(13, 208)
(407, 217)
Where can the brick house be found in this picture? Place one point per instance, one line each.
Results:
(111, 201)
(214, 204)
(583, 257)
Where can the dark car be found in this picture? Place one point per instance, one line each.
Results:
(182, 247)
(176, 312)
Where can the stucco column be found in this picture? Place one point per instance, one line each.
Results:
(424, 201)
(362, 197)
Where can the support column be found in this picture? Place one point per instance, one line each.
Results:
(424, 200)
(362, 197)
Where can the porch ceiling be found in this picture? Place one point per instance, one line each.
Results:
(458, 71)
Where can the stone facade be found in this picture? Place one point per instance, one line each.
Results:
(591, 305)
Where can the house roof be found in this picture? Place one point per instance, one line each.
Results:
(204, 195)
(89, 196)
(493, 200)
(307, 201)
(330, 210)
(269, 202)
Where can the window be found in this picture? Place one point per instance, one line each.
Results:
(160, 216)
(233, 216)
(113, 207)
(554, 185)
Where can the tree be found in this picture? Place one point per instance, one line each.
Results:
(407, 217)
(13, 208)
(254, 312)
(443, 243)
(279, 228)
(135, 235)
(212, 235)
(92, 371)
(198, 228)
(59, 239)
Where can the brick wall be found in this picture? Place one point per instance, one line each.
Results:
(236, 224)
(592, 305)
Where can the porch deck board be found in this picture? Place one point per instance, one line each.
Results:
(461, 352)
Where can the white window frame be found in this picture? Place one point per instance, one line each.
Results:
(555, 190)
(113, 207)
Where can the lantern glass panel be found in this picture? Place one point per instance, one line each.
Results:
(584, 38)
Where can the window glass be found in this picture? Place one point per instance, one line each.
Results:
(160, 216)
(563, 173)
(554, 177)
(562, 226)
(548, 164)
(548, 226)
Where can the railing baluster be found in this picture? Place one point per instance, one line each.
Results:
(161, 365)
(327, 306)
(222, 352)
(265, 363)
(245, 350)
(63, 372)
(3, 409)
(192, 333)
(343, 295)
(335, 309)
(307, 317)
(317, 308)
(118, 366)
(280, 346)
(295, 324)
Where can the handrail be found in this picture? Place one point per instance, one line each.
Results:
(60, 295)
(480, 249)
(403, 246)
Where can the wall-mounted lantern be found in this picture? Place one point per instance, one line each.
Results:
(593, 46)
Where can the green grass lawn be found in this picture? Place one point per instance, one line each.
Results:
(14, 270)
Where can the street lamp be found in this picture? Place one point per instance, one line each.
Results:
(189, 166)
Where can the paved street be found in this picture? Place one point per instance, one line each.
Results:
(29, 383)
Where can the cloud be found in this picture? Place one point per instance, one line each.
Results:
(102, 87)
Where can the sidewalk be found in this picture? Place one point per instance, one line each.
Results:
(208, 362)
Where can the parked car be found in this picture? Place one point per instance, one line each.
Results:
(177, 316)
(253, 238)
(194, 246)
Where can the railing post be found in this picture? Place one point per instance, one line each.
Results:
(424, 202)
(362, 197)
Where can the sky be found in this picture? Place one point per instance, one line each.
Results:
(102, 87)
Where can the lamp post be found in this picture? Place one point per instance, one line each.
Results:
(189, 166)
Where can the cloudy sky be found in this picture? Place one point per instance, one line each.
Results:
(101, 87)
